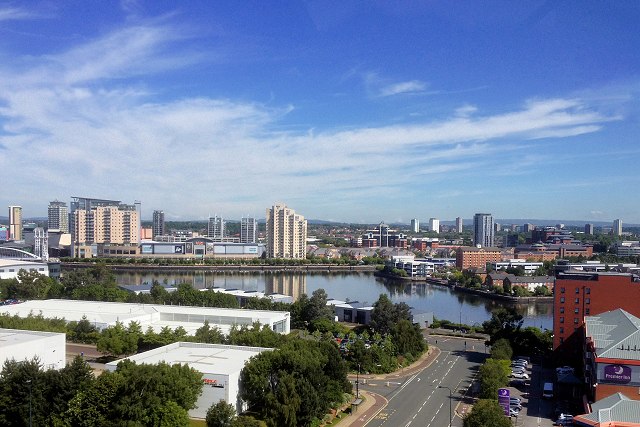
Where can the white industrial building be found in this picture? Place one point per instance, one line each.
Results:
(220, 366)
(48, 347)
(105, 314)
(9, 268)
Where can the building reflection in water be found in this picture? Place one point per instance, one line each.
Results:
(291, 284)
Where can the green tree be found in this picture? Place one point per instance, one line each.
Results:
(504, 323)
(221, 414)
(493, 375)
(117, 341)
(501, 350)
(485, 413)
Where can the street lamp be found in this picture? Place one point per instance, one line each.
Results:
(358, 383)
(29, 382)
(450, 399)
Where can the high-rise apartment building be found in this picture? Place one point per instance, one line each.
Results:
(415, 225)
(588, 229)
(102, 222)
(215, 229)
(248, 230)
(58, 216)
(528, 228)
(157, 229)
(459, 224)
(434, 225)
(286, 233)
(483, 230)
(15, 223)
(617, 227)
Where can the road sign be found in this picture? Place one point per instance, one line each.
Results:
(504, 397)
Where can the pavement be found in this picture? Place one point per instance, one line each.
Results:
(374, 403)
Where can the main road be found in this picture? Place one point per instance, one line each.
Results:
(423, 399)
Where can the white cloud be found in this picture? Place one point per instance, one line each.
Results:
(67, 129)
(14, 13)
(403, 88)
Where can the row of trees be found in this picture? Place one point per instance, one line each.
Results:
(133, 395)
(309, 260)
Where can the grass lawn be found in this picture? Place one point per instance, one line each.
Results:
(197, 423)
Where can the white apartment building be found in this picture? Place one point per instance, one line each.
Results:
(434, 225)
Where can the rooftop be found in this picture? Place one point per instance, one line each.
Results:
(10, 337)
(615, 334)
(613, 409)
(205, 358)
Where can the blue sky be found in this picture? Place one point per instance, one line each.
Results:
(347, 111)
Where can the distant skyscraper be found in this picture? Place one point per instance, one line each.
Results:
(617, 227)
(415, 225)
(215, 230)
(497, 227)
(434, 225)
(15, 223)
(459, 224)
(58, 216)
(158, 224)
(248, 228)
(286, 233)
(528, 228)
(588, 229)
(483, 230)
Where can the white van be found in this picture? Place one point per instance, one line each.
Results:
(547, 390)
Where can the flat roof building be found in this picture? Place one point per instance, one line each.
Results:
(105, 314)
(20, 345)
(220, 366)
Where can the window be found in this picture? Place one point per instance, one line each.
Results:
(575, 320)
(561, 340)
(577, 300)
(587, 311)
(562, 300)
(577, 290)
(575, 310)
(562, 320)
(562, 290)
(561, 309)
(562, 330)
(587, 300)
(587, 290)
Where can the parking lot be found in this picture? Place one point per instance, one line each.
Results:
(536, 411)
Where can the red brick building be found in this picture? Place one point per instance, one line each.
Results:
(577, 295)
(469, 257)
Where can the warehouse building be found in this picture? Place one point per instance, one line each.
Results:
(48, 347)
(105, 314)
(220, 366)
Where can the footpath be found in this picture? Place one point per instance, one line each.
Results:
(374, 403)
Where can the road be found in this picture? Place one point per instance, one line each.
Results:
(423, 399)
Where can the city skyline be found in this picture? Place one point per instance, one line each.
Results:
(347, 113)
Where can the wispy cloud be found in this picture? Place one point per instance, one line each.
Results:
(412, 86)
(14, 13)
(82, 123)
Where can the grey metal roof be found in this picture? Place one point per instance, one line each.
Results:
(615, 334)
(614, 408)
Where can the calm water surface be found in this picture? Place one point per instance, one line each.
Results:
(362, 287)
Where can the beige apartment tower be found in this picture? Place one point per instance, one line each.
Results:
(102, 222)
(15, 223)
(286, 233)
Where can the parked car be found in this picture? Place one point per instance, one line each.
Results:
(515, 400)
(515, 406)
(513, 412)
(518, 371)
(564, 420)
(521, 376)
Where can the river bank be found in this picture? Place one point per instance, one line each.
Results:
(227, 268)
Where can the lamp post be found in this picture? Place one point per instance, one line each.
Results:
(450, 399)
(358, 383)
(30, 417)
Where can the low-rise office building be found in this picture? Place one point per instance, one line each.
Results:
(469, 257)
(9, 268)
(105, 314)
(220, 366)
(20, 345)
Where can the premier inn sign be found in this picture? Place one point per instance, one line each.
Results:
(617, 374)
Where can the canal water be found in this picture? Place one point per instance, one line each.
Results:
(364, 288)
